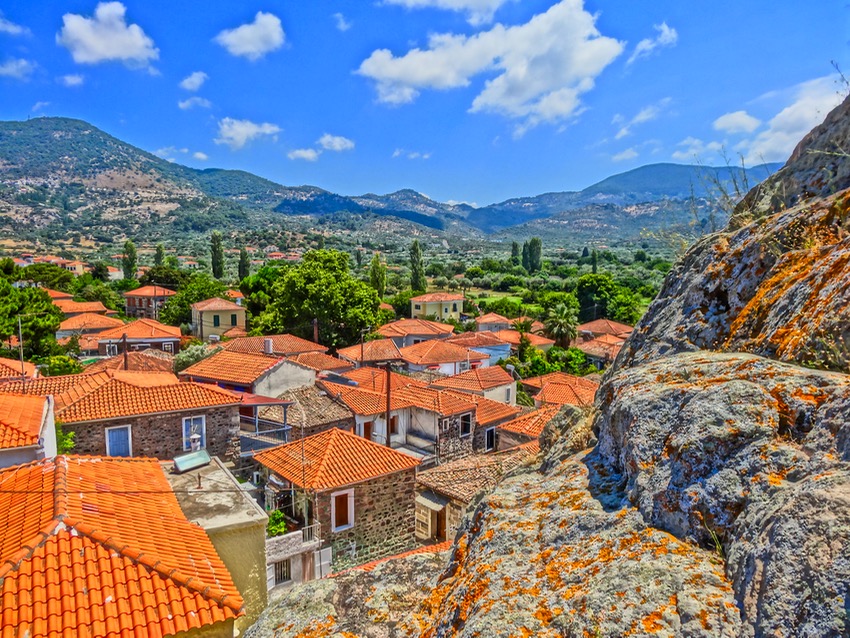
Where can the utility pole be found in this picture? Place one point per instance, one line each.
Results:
(389, 386)
(315, 330)
(21, 352)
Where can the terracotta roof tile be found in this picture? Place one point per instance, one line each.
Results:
(492, 317)
(44, 386)
(149, 360)
(421, 327)
(89, 321)
(532, 423)
(57, 294)
(512, 337)
(464, 478)
(375, 379)
(215, 303)
(100, 547)
(489, 412)
(10, 368)
(438, 296)
(234, 332)
(476, 340)
(334, 458)
(604, 326)
(477, 380)
(150, 291)
(601, 348)
(434, 548)
(566, 393)
(234, 294)
(232, 367)
(320, 361)
(71, 307)
(364, 402)
(443, 402)
(141, 329)
(437, 351)
(311, 407)
(535, 383)
(377, 350)
(21, 418)
(283, 345)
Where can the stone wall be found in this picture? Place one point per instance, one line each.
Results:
(383, 520)
(159, 435)
(450, 444)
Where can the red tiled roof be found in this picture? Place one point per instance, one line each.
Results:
(512, 337)
(488, 411)
(234, 294)
(600, 348)
(604, 326)
(566, 393)
(385, 306)
(476, 340)
(138, 361)
(141, 329)
(535, 383)
(21, 417)
(320, 361)
(215, 303)
(57, 294)
(476, 380)
(436, 351)
(364, 402)
(70, 307)
(97, 546)
(284, 345)
(10, 368)
(150, 291)
(375, 379)
(234, 332)
(377, 350)
(332, 459)
(405, 327)
(435, 548)
(89, 321)
(44, 386)
(232, 367)
(531, 424)
(438, 296)
(443, 402)
(492, 317)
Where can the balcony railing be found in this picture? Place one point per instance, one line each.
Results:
(261, 434)
(310, 533)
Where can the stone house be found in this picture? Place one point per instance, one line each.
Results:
(282, 345)
(370, 353)
(444, 492)
(492, 322)
(71, 308)
(212, 318)
(85, 324)
(407, 332)
(360, 494)
(442, 305)
(27, 428)
(140, 563)
(140, 335)
(146, 302)
(561, 388)
(493, 383)
(485, 343)
(489, 415)
(525, 428)
(443, 357)
(313, 411)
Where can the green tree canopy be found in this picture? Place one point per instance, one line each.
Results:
(217, 254)
(200, 286)
(257, 288)
(378, 275)
(165, 275)
(244, 268)
(49, 276)
(594, 291)
(129, 260)
(417, 269)
(561, 322)
(40, 319)
(535, 255)
(320, 287)
(159, 256)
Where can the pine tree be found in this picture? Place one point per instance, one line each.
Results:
(129, 260)
(417, 268)
(244, 264)
(217, 254)
(159, 257)
(378, 275)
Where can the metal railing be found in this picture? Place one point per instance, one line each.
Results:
(310, 533)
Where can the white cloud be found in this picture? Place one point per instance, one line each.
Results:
(198, 155)
(308, 154)
(255, 39)
(335, 143)
(39, 105)
(341, 23)
(693, 149)
(194, 81)
(541, 67)
(194, 101)
(478, 11)
(17, 68)
(736, 122)
(10, 28)
(646, 114)
(811, 101)
(237, 133)
(623, 156)
(71, 80)
(106, 37)
(667, 37)
(412, 155)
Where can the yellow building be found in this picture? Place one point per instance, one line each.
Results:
(216, 318)
(442, 305)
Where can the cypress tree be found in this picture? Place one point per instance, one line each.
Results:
(244, 264)
(417, 268)
(217, 255)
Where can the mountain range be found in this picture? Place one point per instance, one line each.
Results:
(60, 174)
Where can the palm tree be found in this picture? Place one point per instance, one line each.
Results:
(522, 326)
(561, 324)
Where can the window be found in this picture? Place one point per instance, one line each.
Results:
(282, 572)
(111, 349)
(167, 347)
(454, 307)
(394, 424)
(119, 441)
(507, 395)
(417, 307)
(194, 425)
(233, 319)
(367, 430)
(342, 510)
(465, 424)
(489, 439)
(216, 321)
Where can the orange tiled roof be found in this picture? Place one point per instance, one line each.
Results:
(535, 383)
(150, 291)
(69, 306)
(334, 458)
(604, 326)
(234, 332)
(434, 548)
(566, 393)
(44, 386)
(284, 345)
(89, 321)
(476, 380)
(21, 417)
(532, 423)
(364, 402)
(215, 303)
(492, 317)
(443, 402)
(375, 379)
(436, 351)
(10, 368)
(488, 411)
(438, 296)
(234, 294)
(141, 329)
(232, 367)
(138, 361)
(476, 340)
(320, 361)
(536, 325)
(100, 547)
(385, 306)
(405, 327)
(57, 294)
(600, 348)
(512, 337)
(376, 350)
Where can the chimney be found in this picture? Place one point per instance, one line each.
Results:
(268, 346)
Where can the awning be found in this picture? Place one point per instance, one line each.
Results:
(432, 501)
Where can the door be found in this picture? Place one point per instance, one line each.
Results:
(440, 532)
(118, 441)
(322, 560)
(367, 430)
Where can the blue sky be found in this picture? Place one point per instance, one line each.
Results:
(463, 100)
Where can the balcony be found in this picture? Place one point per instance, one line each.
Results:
(297, 541)
(257, 434)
